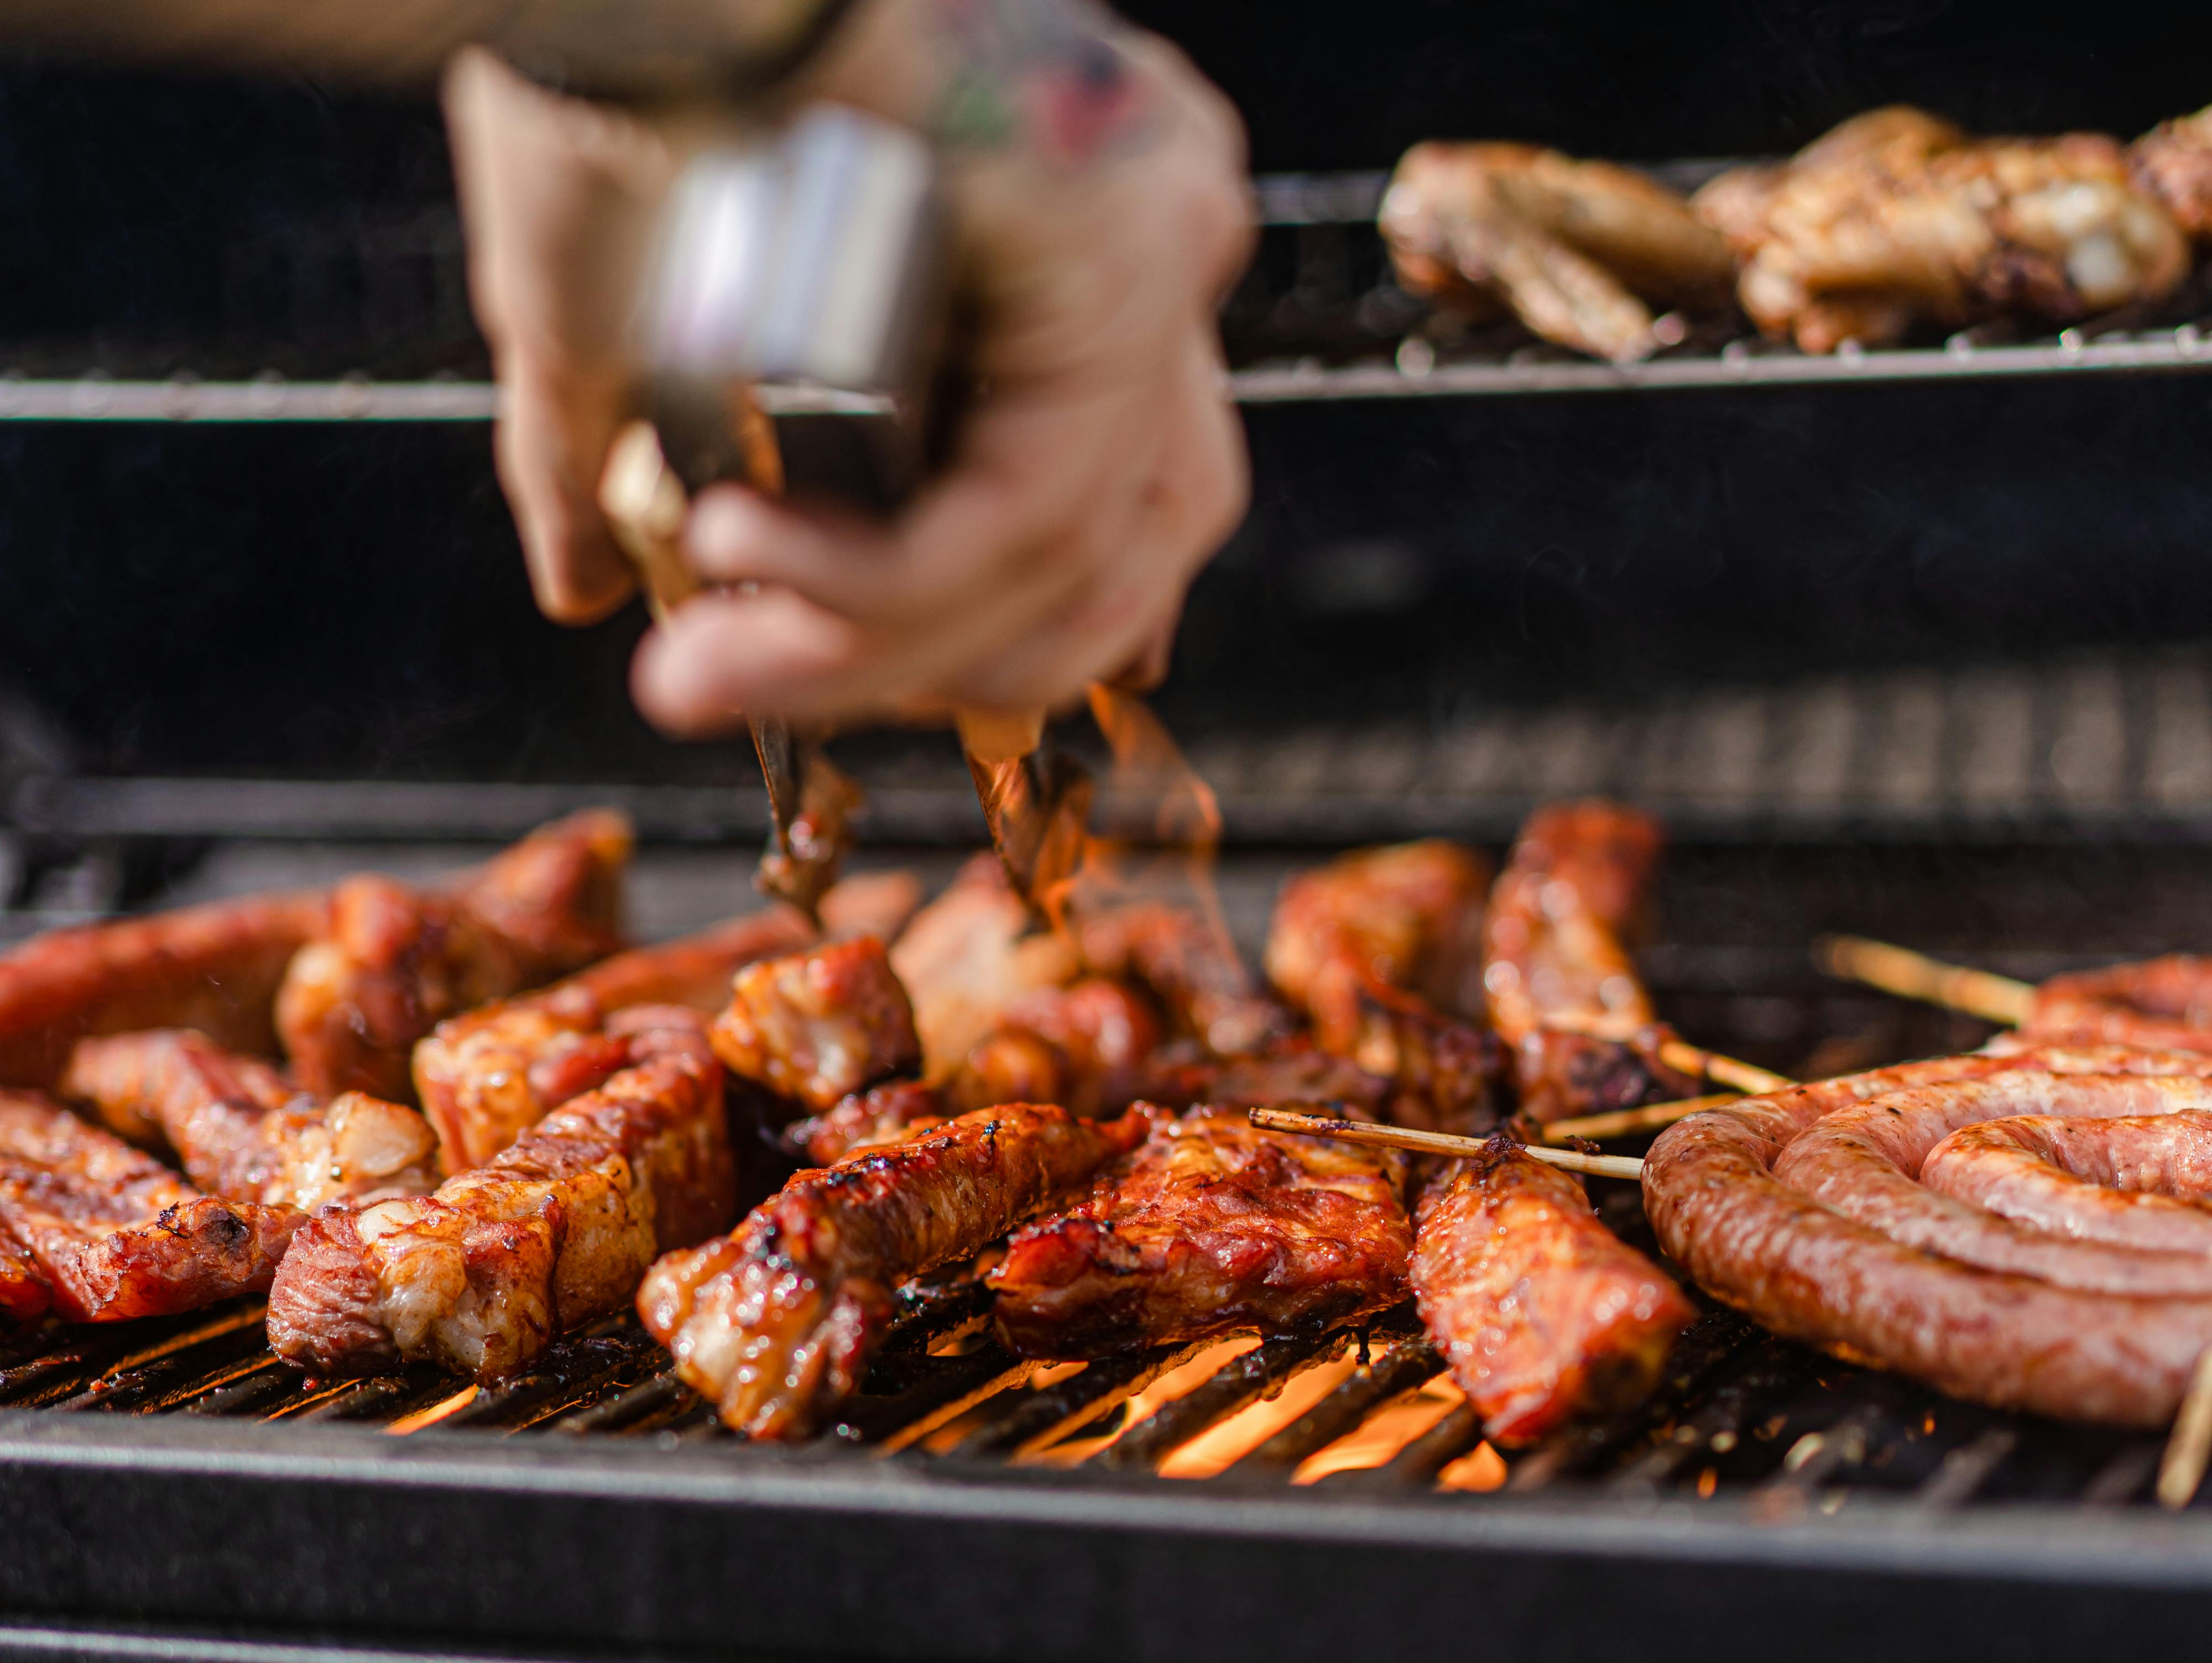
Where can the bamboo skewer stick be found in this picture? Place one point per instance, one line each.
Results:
(1622, 1122)
(2181, 1469)
(1435, 1142)
(1684, 1058)
(1915, 976)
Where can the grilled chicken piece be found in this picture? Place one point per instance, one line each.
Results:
(1406, 916)
(241, 1131)
(868, 1120)
(215, 968)
(774, 1324)
(1897, 218)
(968, 955)
(1210, 1227)
(1087, 1047)
(1191, 967)
(553, 1233)
(111, 1233)
(1544, 1314)
(815, 1026)
(396, 961)
(2173, 162)
(486, 1077)
(1575, 248)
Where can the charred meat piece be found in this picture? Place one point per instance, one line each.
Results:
(215, 968)
(553, 1233)
(1293, 1072)
(774, 1324)
(396, 961)
(1444, 1074)
(1406, 916)
(241, 1131)
(1576, 248)
(968, 955)
(1558, 1075)
(1086, 1048)
(2173, 162)
(815, 1026)
(867, 1120)
(486, 1077)
(1210, 1227)
(1191, 967)
(1544, 1314)
(112, 1232)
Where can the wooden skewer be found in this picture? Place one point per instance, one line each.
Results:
(1684, 1058)
(1915, 976)
(1434, 1142)
(1622, 1122)
(2181, 1469)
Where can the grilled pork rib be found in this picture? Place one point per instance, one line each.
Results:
(774, 1324)
(111, 1233)
(554, 1231)
(241, 1131)
(1210, 1226)
(398, 961)
(815, 1026)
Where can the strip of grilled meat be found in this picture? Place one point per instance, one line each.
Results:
(241, 1131)
(1210, 1226)
(815, 1026)
(1544, 1314)
(215, 968)
(774, 1324)
(486, 1077)
(398, 961)
(111, 1233)
(554, 1232)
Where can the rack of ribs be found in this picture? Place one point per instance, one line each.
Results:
(554, 1232)
(396, 960)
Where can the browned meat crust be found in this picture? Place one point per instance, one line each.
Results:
(215, 968)
(488, 1075)
(1191, 968)
(2173, 162)
(815, 1026)
(555, 1232)
(1406, 916)
(882, 1114)
(1087, 1047)
(1443, 1072)
(1544, 1314)
(241, 1131)
(1293, 1072)
(774, 1324)
(396, 960)
(1810, 1273)
(2135, 1181)
(2163, 1003)
(967, 955)
(115, 1234)
(1212, 1226)
(1558, 1075)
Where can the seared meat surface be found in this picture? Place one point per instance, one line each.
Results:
(815, 1026)
(2173, 162)
(967, 955)
(1191, 967)
(1087, 1047)
(396, 961)
(111, 1233)
(882, 1114)
(241, 1131)
(774, 1324)
(554, 1232)
(1210, 1226)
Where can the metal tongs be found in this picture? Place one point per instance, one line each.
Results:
(790, 330)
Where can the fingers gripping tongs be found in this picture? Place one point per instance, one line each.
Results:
(788, 329)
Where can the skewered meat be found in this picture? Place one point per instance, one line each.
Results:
(966, 956)
(1406, 916)
(1898, 220)
(1811, 1273)
(1443, 1072)
(1544, 1314)
(486, 1077)
(1575, 248)
(2173, 162)
(215, 968)
(110, 1232)
(1191, 967)
(1210, 1226)
(398, 961)
(2134, 1183)
(867, 1120)
(554, 1232)
(2165, 1003)
(1293, 1072)
(1087, 1047)
(1560, 1076)
(774, 1323)
(815, 1026)
(241, 1131)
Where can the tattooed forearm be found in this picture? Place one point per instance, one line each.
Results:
(1048, 74)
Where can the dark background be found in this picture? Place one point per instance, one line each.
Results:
(346, 601)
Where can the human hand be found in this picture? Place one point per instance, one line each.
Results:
(1099, 207)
